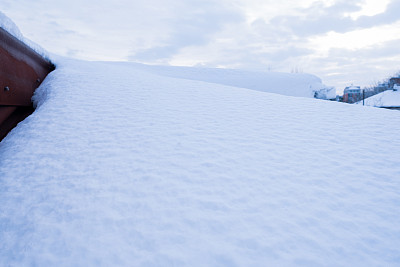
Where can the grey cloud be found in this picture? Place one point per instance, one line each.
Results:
(318, 19)
(391, 15)
(363, 67)
(193, 24)
(284, 53)
(387, 49)
(154, 54)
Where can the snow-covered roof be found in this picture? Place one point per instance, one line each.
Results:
(357, 88)
(119, 165)
(300, 84)
(386, 99)
(124, 164)
(353, 87)
(8, 25)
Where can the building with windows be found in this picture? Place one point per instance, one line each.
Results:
(352, 94)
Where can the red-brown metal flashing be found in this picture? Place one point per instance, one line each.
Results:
(22, 70)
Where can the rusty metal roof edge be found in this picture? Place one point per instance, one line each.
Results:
(16, 46)
(24, 69)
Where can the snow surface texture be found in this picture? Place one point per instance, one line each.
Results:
(386, 99)
(121, 167)
(299, 84)
(8, 25)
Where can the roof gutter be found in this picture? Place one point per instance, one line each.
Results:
(22, 70)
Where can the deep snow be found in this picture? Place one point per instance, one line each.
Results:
(290, 84)
(119, 166)
(385, 99)
(131, 165)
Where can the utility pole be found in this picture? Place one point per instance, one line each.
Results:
(363, 96)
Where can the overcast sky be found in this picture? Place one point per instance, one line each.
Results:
(341, 41)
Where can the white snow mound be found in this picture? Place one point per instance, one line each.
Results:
(125, 166)
(386, 99)
(299, 84)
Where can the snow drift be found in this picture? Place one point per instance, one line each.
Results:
(290, 84)
(129, 165)
(386, 99)
(122, 167)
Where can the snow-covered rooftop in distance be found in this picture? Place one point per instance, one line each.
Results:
(352, 87)
(386, 99)
(125, 164)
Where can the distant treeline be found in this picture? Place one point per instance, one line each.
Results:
(380, 87)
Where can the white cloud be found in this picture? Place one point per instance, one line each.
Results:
(356, 39)
(370, 8)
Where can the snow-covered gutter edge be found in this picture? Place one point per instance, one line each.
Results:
(23, 70)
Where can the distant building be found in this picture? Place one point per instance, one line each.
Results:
(352, 94)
